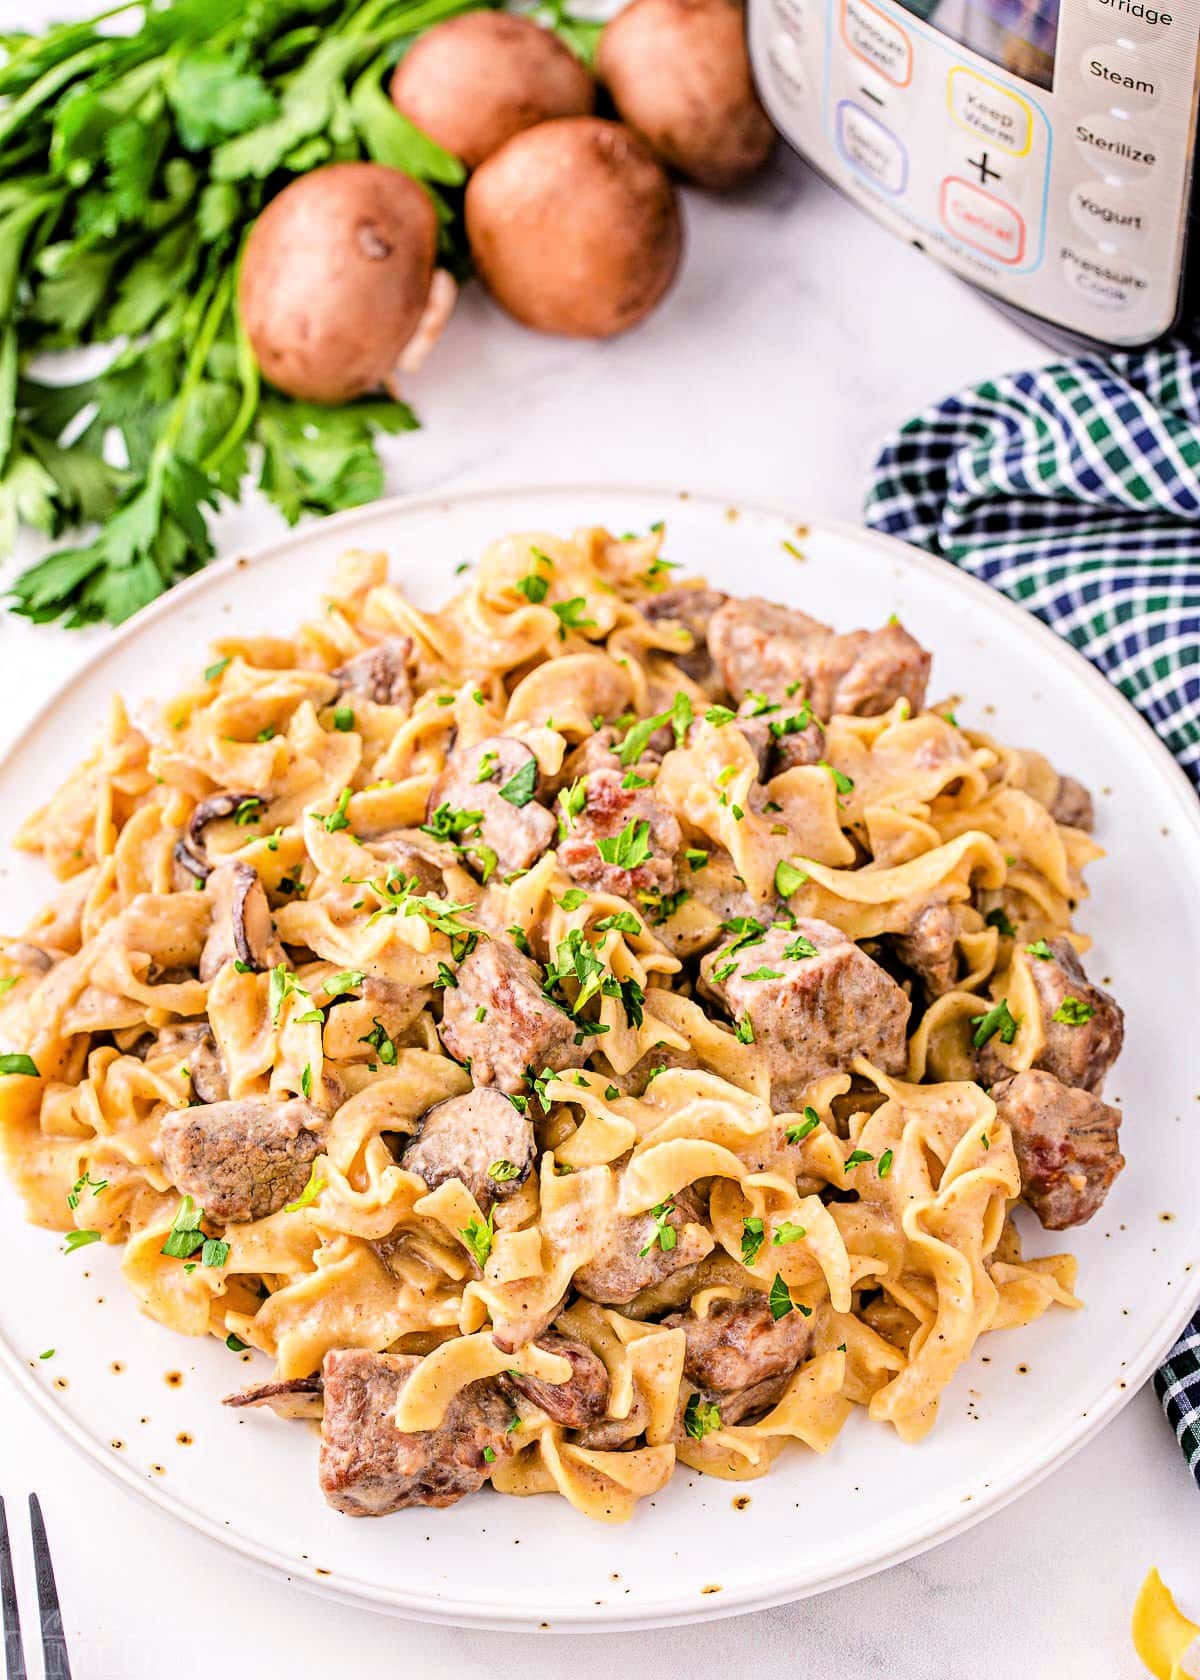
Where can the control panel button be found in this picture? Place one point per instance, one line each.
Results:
(1115, 219)
(984, 108)
(793, 14)
(982, 220)
(1104, 281)
(787, 62)
(1127, 77)
(878, 40)
(1114, 143)
(1134, 17)
(872, 149)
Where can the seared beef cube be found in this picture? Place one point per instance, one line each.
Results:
(796, 748)
(624, 841)
(813, 1001)
(747, 1405)
(763, 648)
(521, 1028)
(693, 608)
(863, 674)
(737, 1344)
(1066, 1144)
(1073, 805)
(496, 779)
(379, 673)
(369, 1467)
(242, 929)
(479, 1138)
(1084, 1027)
(612, 1434)
(242, 1159)
(631, 1255)
(583, 1399)
(929, 948)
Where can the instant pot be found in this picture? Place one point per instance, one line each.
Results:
(1041, 149)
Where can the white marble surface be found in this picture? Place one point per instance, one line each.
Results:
(798, 336)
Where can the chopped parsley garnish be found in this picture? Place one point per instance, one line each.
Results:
(664, 906)
(503, 1171)
(696, 856)
(630, 848)
(478, 1234)
(787, 1232)
(743, 1030)
(638, 737)
(379, 1041)
(885, 1163)
(753, 1236)
(841, 781)
(347, 981)
(1041, 950)
(746, 930)
(235, 1344)
(533, 587)
(570, 615)
(84, 1182)
(250, 811)
(719, 715)
(797, 1134)
(701, 1417)
(8, 982)
(796, 724)
(487, 765)
(624, 921)
(306, 1081)
(760, 705)
(1073, 1012)
(489, 1455)
(998, 919)
(480, 1013)
(573, 898)
(664, 1233)
(214, 1252)
(283, 983)
(723, 972)
(682, 716)
(185, 1235)
(448, 824)
(788, 879)
(213, 671)
(799, 948)
(268, 731)
(764, 974)
(631, 779)
(857, 1158)
(520, 939)
(309, 1193)
(573, 799)
(611, 1093)
(80, 1239)
(337, 818)
(343, 719)
(576, 960)
(780, 1298)
(997, 1020)
(519, 789)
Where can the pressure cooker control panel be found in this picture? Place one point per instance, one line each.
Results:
(1045, 157)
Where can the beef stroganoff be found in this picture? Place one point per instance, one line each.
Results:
(602, 1024)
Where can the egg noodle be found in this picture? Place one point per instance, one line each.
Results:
(900, 1184)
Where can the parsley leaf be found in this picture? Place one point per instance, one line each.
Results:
(630, 848)
(788, 879)
(17, 1062)
(753, 1236)
(519, 789)
(1041, 950)
(998, 919)
(797, 1134)
(997, 1020)
(780, 1298)
(664, 1233)
(1073, 1012)
(478, 1234)
(701, 1417)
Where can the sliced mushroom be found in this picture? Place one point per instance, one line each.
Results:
(379, 673)
(191, 1042)
(242, 929)
(297, 1397)
(191, 853)
(25, 955)
(479, 1138)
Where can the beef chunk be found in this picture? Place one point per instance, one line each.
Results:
(738, 1345)
(242, 929)
(1066, 1144)
(521, 1029)
(613, 1434)
(191, 1042)
(799, 747)
(631, 1257)
(241, 1159)
(633, 825)
(515, 827)
(1073, 805)
(478, 1138)
(379, 673)
(1084, 1043)
(762, 648)
(369, 1467)
(693, 608)
(818, 1001)
(573, 1404)
(929, 948)
(418, 859)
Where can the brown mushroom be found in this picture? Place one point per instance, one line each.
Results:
(679, 74)
(574, 227)
(473, 82)
(191, 853)
(242, 929)
(336, 279)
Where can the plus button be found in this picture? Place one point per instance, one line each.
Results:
(986, 172)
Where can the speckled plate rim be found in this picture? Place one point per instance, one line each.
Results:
(779, 1588)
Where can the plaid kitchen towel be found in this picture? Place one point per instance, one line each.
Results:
(1075, 489)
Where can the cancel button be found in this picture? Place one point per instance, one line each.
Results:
(1116, 220)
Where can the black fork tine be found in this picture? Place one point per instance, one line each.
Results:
(54, 1643)
(14, 1653)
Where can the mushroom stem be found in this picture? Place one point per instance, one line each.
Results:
(439, 306)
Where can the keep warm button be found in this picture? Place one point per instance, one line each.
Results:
(982, 221)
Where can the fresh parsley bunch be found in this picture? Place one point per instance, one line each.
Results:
(135, 150)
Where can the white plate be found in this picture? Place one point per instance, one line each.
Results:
(1029, 1397)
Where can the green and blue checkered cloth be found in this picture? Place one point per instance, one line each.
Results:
(1075, 489)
